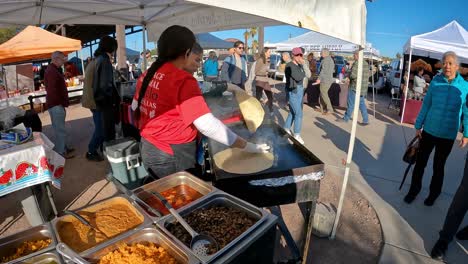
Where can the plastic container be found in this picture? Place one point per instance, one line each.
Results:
(125, 160)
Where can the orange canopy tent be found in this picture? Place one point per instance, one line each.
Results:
(35, 43)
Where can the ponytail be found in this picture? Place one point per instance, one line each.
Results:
(144, 86)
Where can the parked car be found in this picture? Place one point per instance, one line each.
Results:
(394, 73)
(275, 62)
(340, 63)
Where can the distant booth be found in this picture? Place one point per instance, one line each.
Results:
(314, 42)
(426, 51)
(21, 78)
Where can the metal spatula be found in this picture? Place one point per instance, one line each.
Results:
(200, 242)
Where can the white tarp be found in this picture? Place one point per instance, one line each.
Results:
(199, 15)
(451, 37)
(314, 41)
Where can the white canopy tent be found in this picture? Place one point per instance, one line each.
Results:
(199, 15)
(344, 19)
(451, 37)
(315, 41)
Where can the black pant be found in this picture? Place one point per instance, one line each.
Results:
(457, 210)
(269, 94)
(442, 150)
(160, 164)
(108, 123)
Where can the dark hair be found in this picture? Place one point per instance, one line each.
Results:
(237, 43)
(419, 69)
(262, 54)
(175, 41)
(107, 44)
(197, 49)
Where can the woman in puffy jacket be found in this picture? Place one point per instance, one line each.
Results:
(437, 126)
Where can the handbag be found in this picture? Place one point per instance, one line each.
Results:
(410, 157)
(411, 151)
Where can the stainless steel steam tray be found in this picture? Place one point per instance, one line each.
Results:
(144, 236)
(8, 245)
(216, 199)
(142, 193)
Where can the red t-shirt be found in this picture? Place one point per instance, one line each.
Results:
(172, 102)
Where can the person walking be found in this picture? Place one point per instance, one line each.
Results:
(87, 101)
(327, 68)
(437, 126)
(352, 91)
(105, 90)
(234, 69)
(295, 90)
(262, 84)
(454, 218)
(57, 101)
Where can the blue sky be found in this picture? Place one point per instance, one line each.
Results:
(390, 23)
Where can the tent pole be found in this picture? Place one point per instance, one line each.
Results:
(407, 82)
(373, 84)
(82, 63)
(91, 50)
(145, 62)
(351, 141)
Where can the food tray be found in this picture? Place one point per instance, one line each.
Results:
(142, 193)
(214, 199)
(45, 258)
(9, 244)
(146, 235)
(97, 206)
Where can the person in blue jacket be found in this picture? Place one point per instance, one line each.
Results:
(437, 126)
(210, 67)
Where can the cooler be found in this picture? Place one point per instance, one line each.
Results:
(124, 157)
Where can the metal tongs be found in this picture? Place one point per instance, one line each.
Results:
(69, 254)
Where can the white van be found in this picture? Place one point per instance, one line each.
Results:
(394, 73)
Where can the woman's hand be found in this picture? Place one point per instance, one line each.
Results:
(419, 133)
(463, 142)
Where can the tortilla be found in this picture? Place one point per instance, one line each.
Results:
(235, 160)
(251, 110)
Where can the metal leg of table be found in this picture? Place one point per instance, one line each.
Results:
(296, 253)
(309, 222)
(39, 206)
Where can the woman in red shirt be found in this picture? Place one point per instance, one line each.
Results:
(171, 110)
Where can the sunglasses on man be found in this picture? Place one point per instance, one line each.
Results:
(241, 48)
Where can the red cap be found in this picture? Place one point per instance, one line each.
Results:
(296, 51)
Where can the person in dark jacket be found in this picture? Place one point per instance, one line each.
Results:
(437, 125)
(57, 101)
(105, 90)
(87, 101)
(294, 87)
